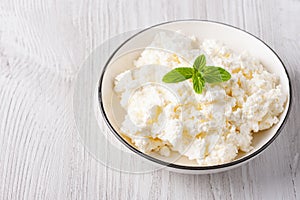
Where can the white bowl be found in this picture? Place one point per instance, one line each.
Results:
(236, 39)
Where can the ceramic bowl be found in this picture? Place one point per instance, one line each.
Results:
(236, 39)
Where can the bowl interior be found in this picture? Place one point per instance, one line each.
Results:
(235, 39)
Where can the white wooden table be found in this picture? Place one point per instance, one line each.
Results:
(43, 44)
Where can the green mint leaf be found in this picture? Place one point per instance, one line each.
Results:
(178, 75)
(200, 73)
(212, 74)
(198, 83)
(200, 63)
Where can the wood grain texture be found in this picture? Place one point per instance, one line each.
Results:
(43, 44)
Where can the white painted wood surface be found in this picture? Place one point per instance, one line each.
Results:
(43, 44)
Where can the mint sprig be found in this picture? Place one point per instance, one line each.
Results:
(199, 73)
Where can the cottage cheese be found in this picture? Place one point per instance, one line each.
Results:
(210, 127)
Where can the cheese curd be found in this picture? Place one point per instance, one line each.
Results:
(211, 127)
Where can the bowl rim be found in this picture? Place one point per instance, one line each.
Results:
(183, 167)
